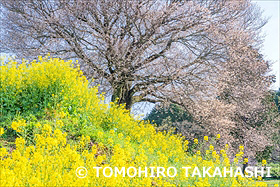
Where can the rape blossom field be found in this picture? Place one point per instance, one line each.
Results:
(54, 122)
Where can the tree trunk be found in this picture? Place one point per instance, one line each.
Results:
(122, 94)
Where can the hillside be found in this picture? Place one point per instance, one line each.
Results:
(55, 129)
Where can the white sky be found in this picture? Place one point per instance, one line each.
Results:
(272, 41)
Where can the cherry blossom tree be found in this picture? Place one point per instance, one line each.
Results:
(136, 50)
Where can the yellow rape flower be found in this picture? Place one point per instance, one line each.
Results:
(20, 143)
(47, 129)
(17, 125)
(120, 135)
(206, 138)
(59, 123)
(1, 131)
(112, 132)
(100, 134)
(227, 146)
(38, 125)
(3, 152)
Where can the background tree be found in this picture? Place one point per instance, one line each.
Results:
(172, 118)
(174, 112)
(264, 123)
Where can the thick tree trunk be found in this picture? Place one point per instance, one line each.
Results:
(123, 94)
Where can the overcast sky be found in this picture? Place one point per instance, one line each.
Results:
(271, 30)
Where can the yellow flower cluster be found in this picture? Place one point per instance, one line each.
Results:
(49, 82)
(17, 126)
(42, 73)
(109, 137)
(54, 162)
(1, 131)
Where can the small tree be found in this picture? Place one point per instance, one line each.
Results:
(174, 112)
